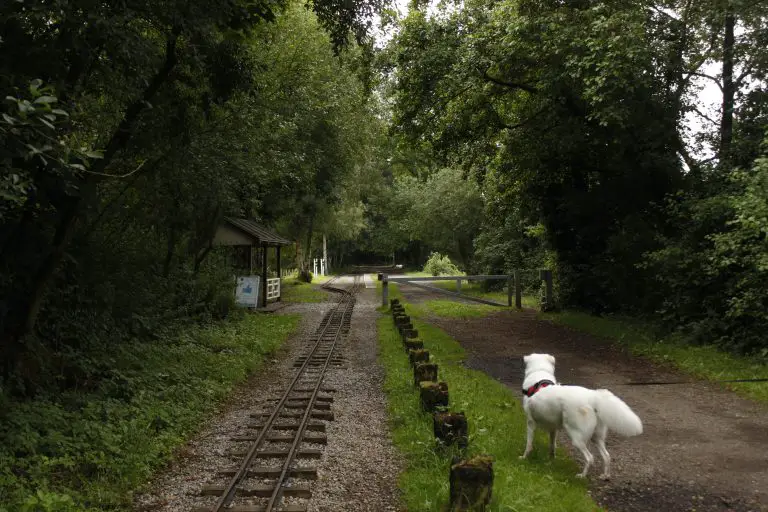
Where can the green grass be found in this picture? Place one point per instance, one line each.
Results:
(293, 290)
(497, 427)
(451, 309)
(89, 450)
(448, 308)
(474, 288)
(706, 362)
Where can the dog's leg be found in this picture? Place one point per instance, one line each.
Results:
(600, 433)
(552, 443)
(529, 440)
(578, 440)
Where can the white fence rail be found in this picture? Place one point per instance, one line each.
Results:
(273, 288)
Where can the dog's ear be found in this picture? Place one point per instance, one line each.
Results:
(526, 359)
(551, 359)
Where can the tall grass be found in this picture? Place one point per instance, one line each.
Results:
(89, 450)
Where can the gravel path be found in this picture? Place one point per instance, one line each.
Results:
(704, 448)
(359, 474)
(359, 467)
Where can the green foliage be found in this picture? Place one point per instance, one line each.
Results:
(496, 426)
(153, 123)
(712, 278)
(572, 119)
(88, 449)
(440, 265)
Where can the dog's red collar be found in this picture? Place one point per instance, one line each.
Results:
(536, 387)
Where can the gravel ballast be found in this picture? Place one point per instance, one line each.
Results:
(359, 466)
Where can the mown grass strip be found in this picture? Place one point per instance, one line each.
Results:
(496, 426)
(706, 362)
(293, 290)
(88, 451)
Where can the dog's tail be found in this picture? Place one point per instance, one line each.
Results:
(613, 412)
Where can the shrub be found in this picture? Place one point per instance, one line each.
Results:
(305, 276)
(440, 265)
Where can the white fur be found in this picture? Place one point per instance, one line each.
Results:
(583, 413)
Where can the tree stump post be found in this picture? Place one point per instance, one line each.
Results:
(424, 372)
(404, 326)
(471, 484)
(433, 395)
(413, 344)
(418, 356)
(401, 320)
(450, 428)
(409, 333)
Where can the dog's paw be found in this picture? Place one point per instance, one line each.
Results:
(523, 457)
(605, 477)
(581, 475)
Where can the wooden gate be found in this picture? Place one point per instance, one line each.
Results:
(514, 286)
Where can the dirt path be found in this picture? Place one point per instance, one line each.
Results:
(704, 448)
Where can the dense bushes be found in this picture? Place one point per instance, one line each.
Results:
(440, 265)
(87, 448)
(152, 123)
(580, 142)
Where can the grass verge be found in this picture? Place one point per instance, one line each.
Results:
(88, 450)
(449, 308)
(293, 290)
(705, 362)
(497, 427)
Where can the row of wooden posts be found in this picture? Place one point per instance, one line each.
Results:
(471, 480)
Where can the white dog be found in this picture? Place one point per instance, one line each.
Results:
(584, 413)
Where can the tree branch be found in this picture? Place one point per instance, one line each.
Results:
(705, 116)
(511, 85)
(704, 75)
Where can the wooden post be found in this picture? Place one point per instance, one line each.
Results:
(509, 291)
(264, 275)
(471, 484)
(424, 372)
(547, 304)
(408, 334)
(413, 344)
(433, 395)
(384, 290)
(450, 428)
(518, 290)
(279, 273)
(458, 285)
(418, 356)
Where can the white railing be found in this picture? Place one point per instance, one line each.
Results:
(273, 288)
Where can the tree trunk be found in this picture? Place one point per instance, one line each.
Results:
(325, 254)
(169, 252)
(30, 310)
(729, 90)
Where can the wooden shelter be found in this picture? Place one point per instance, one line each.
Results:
(247, 233)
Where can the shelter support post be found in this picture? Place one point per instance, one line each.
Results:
(279, 271)
(264, 275)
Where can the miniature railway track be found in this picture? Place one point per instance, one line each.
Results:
(303, 406)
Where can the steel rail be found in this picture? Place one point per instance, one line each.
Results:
(344, 306)
(229, 493)
(278, 489)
